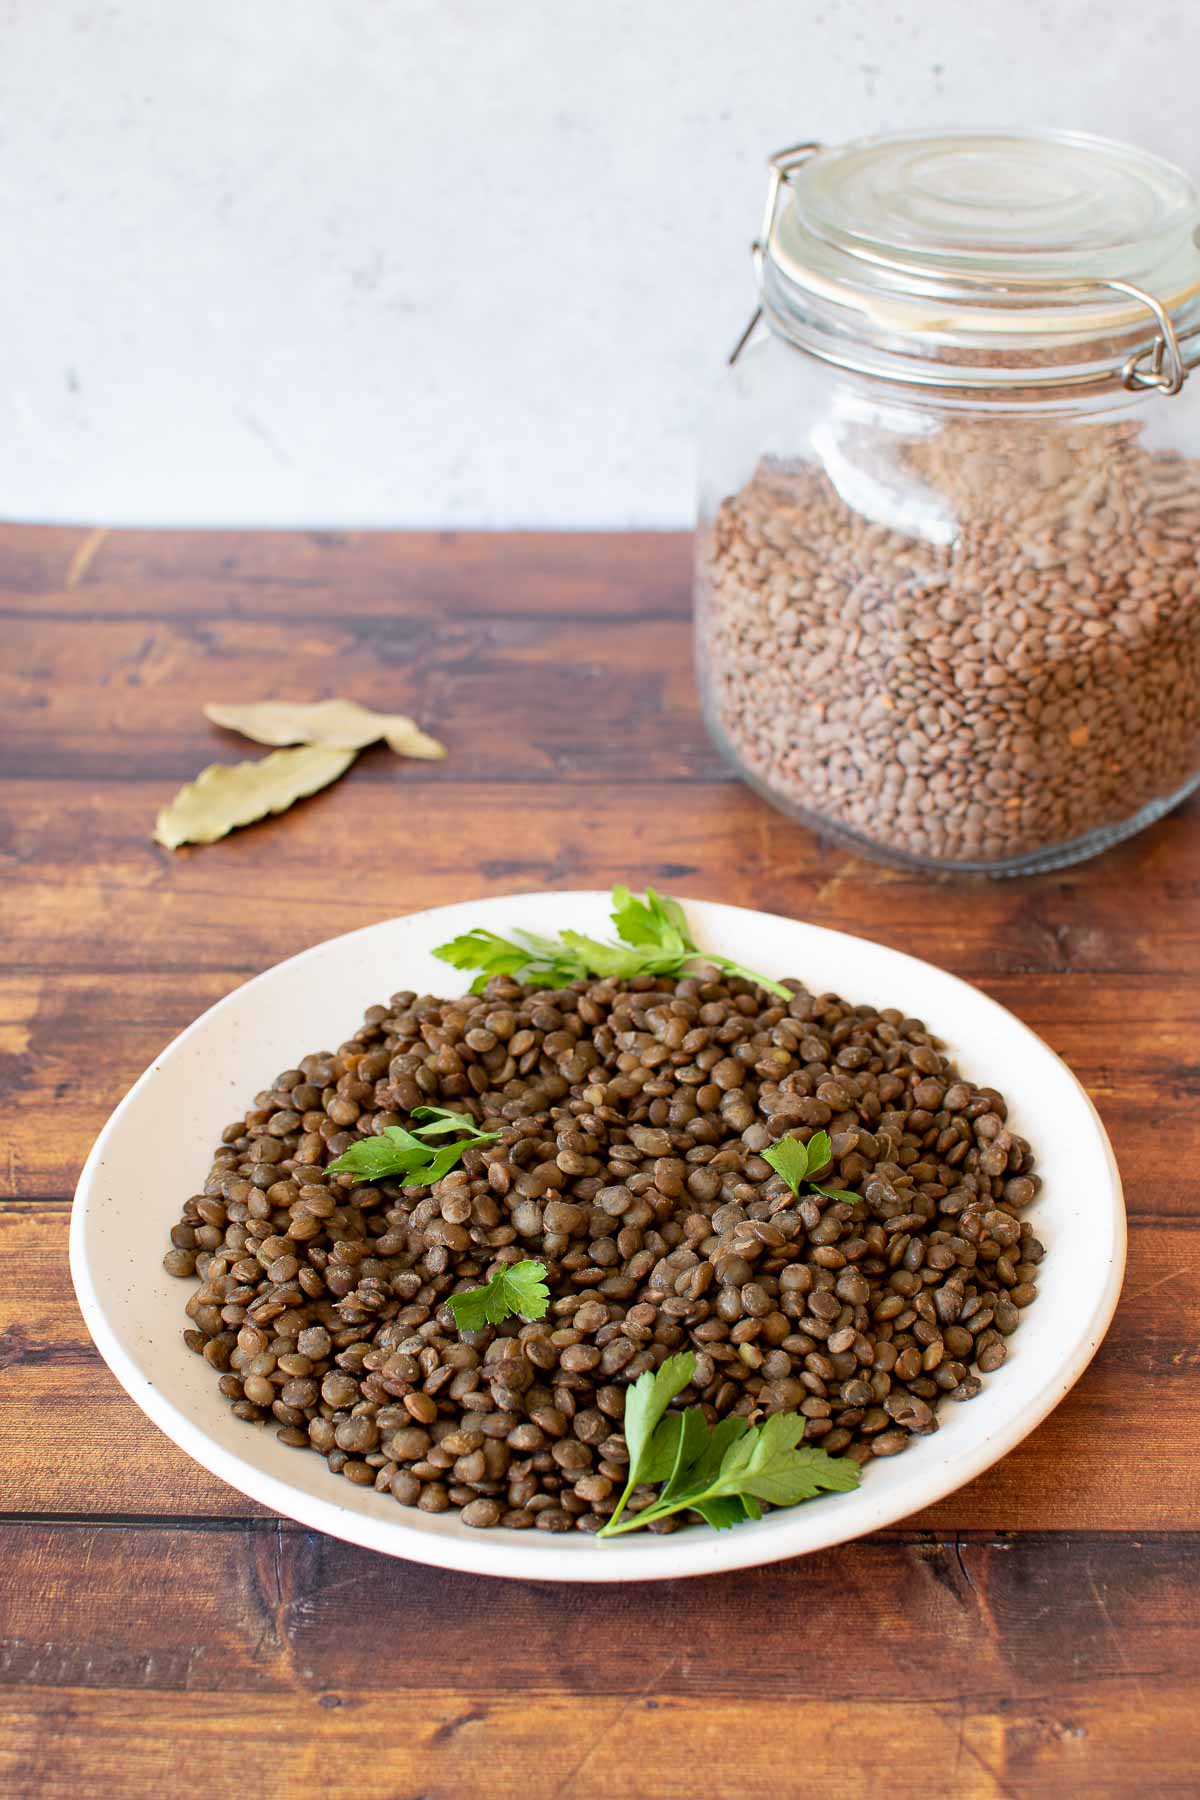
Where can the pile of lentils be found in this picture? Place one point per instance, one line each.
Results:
(999, 657)
(633, 1117)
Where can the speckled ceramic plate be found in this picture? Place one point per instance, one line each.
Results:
(155, 1150)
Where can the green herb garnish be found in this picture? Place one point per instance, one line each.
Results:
(794, 1160)
(655, 940)
(397, 1152)
(517, 1288)
(724, 1471)
(441, 1120)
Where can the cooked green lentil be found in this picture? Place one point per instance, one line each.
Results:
(633, 1117)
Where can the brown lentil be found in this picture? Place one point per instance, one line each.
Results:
(981, 696)
(660, 1225)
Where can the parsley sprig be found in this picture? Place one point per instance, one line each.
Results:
(798, 1163)
(397, 1152)
(518, 1288)
(724, 1471)
(654, 940)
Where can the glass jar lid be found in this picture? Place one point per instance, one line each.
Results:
(985, 258)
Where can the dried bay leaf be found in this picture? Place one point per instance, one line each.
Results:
(342, 723)
(224, 796)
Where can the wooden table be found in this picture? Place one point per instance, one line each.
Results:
(1036, 1633)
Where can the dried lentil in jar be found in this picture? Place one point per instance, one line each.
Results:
(948, 587)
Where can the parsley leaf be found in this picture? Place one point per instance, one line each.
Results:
(516, 1288)
(724, 1472)
(536, 962)
(721, 1513)
(446, 1158)
(442, 1121)
(616, 960)
(659, 1459)
(768, 1464)
(820, 1151)
(688, 1439)
(654, 940)
(789, 1158)
(798, 1163)
(645, 1403)
(654, 922)
(397, 1152)
(394, 1152)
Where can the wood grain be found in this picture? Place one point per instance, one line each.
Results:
(1034, 1634)
(1001, 1664)
(472, 1742)
(89, 890)
(156, 575)
(512, 698)
(240, 1607)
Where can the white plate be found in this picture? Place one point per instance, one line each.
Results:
(156, 1150)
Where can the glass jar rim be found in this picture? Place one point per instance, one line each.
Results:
(985, 259)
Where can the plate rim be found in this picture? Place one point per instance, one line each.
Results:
(533, 1556)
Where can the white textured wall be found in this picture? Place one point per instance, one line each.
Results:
(449, 262)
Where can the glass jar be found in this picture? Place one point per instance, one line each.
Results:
(948, 589)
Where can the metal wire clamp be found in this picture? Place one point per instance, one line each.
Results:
(1167, 369)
